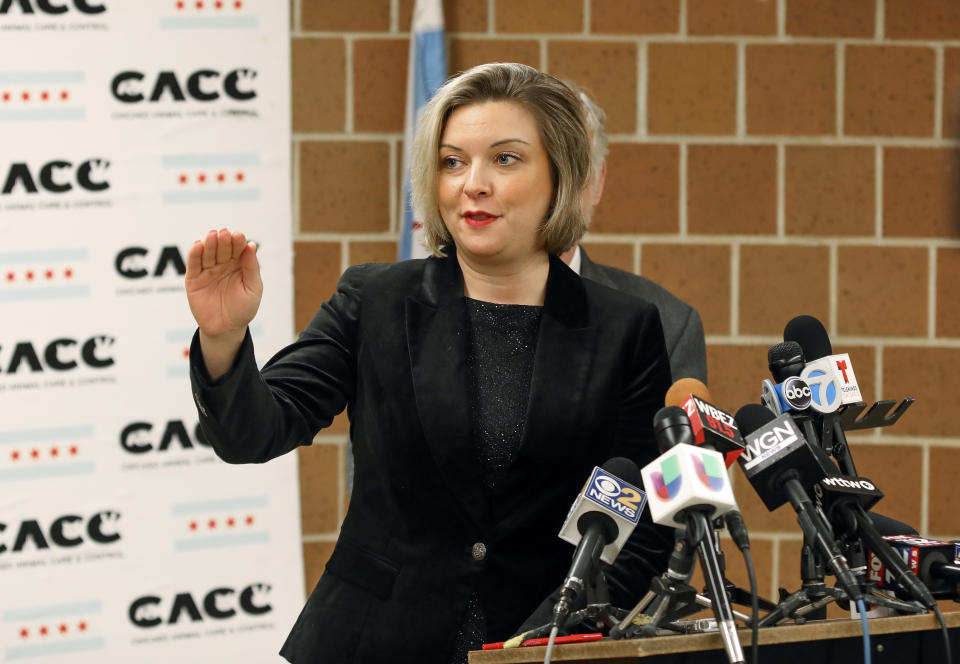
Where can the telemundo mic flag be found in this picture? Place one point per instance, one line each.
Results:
(426, 71)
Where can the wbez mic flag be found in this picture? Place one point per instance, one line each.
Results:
(426, 71)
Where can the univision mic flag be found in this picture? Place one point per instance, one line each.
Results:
(426, 71)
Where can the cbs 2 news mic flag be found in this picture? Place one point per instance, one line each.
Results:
(686, 476)
(620, 500)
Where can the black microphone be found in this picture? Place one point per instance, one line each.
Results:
(780, 464)
(605, 513)
(811, 335)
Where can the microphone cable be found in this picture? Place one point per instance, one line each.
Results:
(862, 608)
(553, 636)
(946, 634)
(738, 532)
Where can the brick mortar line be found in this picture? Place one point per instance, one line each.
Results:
(543, 50)
(683, 29)
(348, 109)
(380, 236)
(925, 495)
(295, 188)
(356, 137)
(902, 441)
(642, 75)
(315, 538)
(394, 16)
(781, 19)
(298, 14)
(867, 241)
(789, 140)
(748, 40)
(944, 343)
(585, 15)
(839, 73)
(394, 171)
(878, 373)
(491, 17)
(741, 93)
(938, 91)
(682, 193)
(879, 21)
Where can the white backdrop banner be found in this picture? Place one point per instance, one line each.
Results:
(127, 130)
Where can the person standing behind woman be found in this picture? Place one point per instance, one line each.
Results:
(482, 385)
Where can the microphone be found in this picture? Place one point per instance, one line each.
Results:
(712, 427)
(789, 392)
(600, 520)
(689, 486)
(779, 463)
(812, 337)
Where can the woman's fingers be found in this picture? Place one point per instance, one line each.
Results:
(209, 258)
(238, 241)
(194, 260)
(224, 246)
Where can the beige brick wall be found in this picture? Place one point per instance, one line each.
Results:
(768, 158)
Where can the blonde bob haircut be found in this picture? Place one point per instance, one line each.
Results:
(558, 113)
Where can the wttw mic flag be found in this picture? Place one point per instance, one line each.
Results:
(426, 71)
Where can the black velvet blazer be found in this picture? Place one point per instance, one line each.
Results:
(422, 532)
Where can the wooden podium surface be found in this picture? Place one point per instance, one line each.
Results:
(632, 650)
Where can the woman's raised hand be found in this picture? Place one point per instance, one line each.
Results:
(223, 284)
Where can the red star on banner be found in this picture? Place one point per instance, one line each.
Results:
(68, 273)
(44, 95)
(183, 179)
(212, 524)
(48, 274)
(43, 630)
(29, 275)
(15, 455)
(64, 95)
(193, 525)
(180, 5)
(63, 628)
(10, 276)
(201, 178)
(54, 452)
(238, 4)
(239, 177)
(221, 177)
(82, 626)
(24, 633)
(26, 96)
(249, 520)
(73, 450)
(199, 4)
(186, 352)
(218, 4)
(35, 454)
(231, 522)
(6, 96)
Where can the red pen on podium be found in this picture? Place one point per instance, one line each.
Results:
(571, 638)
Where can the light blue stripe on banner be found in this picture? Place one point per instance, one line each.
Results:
(58, 470)
(52, 611)
(40, 77)
(178, 372)
(188, 197)
(204, 506)
(45, 435)
(44, 255)
(42, 115)
(61, 648)
(220, 541)
(44, 293)
(203, 22)
(224, 159)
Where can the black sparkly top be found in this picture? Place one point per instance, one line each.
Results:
(503, 343)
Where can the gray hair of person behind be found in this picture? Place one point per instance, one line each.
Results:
(559, 115)
(596, 121)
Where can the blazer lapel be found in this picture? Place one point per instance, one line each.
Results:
(438, 339)
(561, 369)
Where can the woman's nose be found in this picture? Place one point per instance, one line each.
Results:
(478, 183)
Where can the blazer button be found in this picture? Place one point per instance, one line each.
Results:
(479, 551)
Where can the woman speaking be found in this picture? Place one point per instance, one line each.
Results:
(482, 385)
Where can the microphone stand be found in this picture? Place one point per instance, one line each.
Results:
(673, 592)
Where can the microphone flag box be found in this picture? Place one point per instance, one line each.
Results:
(919, 553)
(825, 386)
(712, 426)
(610, 495)
(843, 372)
(686, 476)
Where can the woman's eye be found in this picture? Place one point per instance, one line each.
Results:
(504, 159)
(449, 162)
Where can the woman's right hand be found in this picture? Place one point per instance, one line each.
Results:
(223, 284)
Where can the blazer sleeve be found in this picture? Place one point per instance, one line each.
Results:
(688, 357)
(251, 416)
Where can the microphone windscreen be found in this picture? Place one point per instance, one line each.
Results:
(785, 359)
(624, 469)
(811, 335)
(753, 416)
(887, 526)
(683, 388)
(671, 426)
